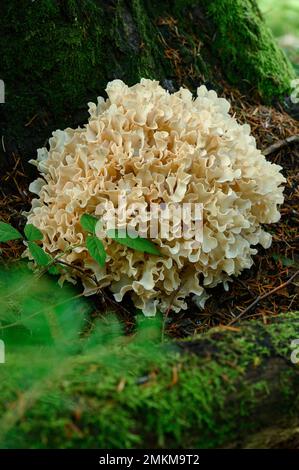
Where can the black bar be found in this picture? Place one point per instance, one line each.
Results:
(126, 458)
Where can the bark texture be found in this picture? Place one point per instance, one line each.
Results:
(56, 55)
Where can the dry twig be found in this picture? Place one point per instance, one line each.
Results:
(281, 143)
(262, 297)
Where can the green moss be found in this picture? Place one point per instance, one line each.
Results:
(236, 39)
(218, 396)
(246, 49)
(58, 55)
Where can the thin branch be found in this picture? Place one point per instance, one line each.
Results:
(262, 297)
(280, 144)
(165, 316)
(73, 266)
(89, 276)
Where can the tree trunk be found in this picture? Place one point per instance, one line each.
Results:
(57, 55)
(227, 388)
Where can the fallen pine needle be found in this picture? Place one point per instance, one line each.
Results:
(262, 297)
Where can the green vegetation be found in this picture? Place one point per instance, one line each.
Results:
(281, 15)
(73, 48)
(94, 244)
(57, 56)
(32, 235)
(245, 46)
(283, 18)
(70, 381)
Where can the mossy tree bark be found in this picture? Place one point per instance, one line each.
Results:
(56, 55)
(223, 389)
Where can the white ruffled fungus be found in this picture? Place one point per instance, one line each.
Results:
(158, 147)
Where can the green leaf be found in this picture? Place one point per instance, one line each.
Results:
(137, 244)
(96, 249)
(89, 222)
(54, 270)
(7, 233)
(32, 233)
(39, 255)
(283, 260)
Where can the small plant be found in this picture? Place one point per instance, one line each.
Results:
(31, 236)
(94, 244)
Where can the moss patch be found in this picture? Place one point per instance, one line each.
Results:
(144, 395)
(246, 48)
(58, 55)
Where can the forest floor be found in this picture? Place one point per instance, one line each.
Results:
(273, 275)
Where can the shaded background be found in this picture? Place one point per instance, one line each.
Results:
(283, 18)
